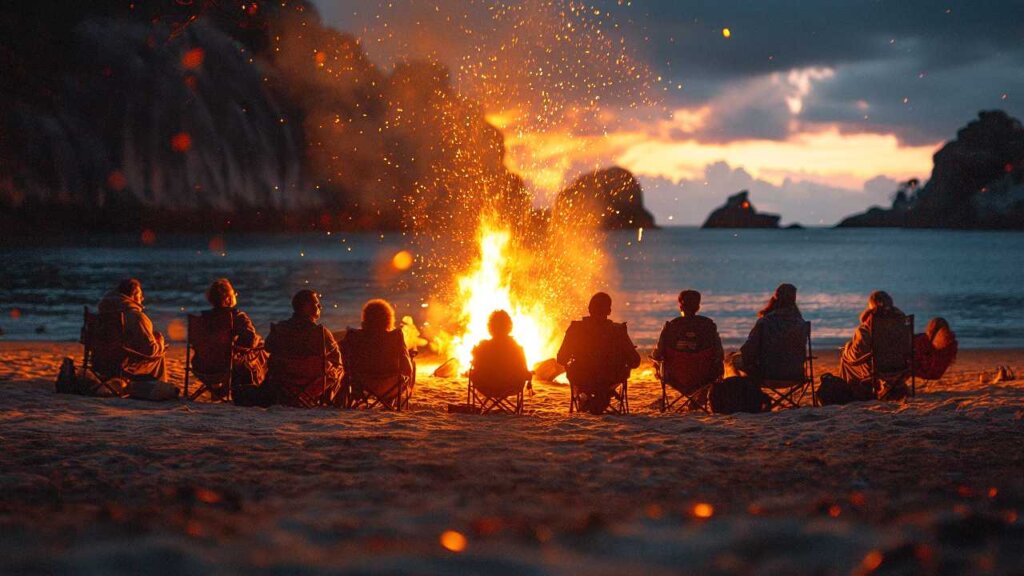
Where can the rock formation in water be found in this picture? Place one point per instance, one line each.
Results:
(229, 114)
(977, 182)
(738, 212)
(611, 198)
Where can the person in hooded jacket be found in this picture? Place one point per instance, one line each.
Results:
(777, 344)
(139, 336)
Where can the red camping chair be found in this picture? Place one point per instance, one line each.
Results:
(691, 374)
(787, 372)
(892, 351)
(485, 402)
(211, 339)
(104, 350)
(301, 381)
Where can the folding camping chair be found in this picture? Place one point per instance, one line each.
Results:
(619, 398)
(211, 338)
(485, 404)
(301, 381)
(104, 350)
(691, 375)
(390, 393)
(892, 351)
(787, 372)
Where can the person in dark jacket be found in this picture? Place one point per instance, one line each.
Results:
(249, 364)
(376, 356)
(139, 336)
(499, 364)
(777, 344)
(856, 360)
(296, 340)
(598, 354)
(693, 336)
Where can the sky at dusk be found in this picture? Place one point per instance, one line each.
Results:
(819, 108)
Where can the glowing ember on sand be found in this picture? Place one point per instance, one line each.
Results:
(491, 285)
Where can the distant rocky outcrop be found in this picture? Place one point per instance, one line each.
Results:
(738, 212)
(611, 198)
(977, 182)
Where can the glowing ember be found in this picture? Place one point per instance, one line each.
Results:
(402, 260)
(489, 286)
(453, 541)
(703, 510)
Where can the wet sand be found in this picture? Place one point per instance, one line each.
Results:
(931, 485)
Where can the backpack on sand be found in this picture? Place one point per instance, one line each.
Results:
(738, 394)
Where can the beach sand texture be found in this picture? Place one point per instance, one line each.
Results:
(931, 485)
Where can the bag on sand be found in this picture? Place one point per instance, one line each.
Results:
(66, 383)
(153, 390)
(738, 394)
(835, 390)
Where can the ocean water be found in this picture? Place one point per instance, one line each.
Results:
(974, 279)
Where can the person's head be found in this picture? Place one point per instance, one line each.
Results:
(306, 303)
(221, 294)
(784, 297)
(131, 288)
(936, 325)
(878, 301)
(499, 324)
(689, 302)
(600, 305)
(378, 316)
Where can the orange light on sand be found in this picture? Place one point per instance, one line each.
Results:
(453, 541)
(193, 58)
(181, 142)
(402, 260)
(176, 331)
(703, 510)
(489, 286)
(872, 561)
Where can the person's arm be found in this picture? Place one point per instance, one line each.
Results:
(716, 344)
(659, 350)
(567, 350)
(332, 349)
(245, 332)
(632, 357)
(140, 335)
(858, 350)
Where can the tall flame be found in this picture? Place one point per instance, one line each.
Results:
(490, 285)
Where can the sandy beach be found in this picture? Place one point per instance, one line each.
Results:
(931, 485)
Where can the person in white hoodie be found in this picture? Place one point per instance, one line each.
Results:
(139, 335)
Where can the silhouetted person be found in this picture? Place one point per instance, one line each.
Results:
(249, 364)
(855, 363)
(689, 347)
(139, 335)
(376, 356)
(295, 342)
(597, 354)
(935, 350)
(499, 364)
(777, 345)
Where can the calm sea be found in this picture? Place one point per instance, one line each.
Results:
(974, 279)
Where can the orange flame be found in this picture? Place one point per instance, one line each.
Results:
(491, 285)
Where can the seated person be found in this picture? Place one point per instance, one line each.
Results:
(375, 356)
(148, 345)
(689, 347)
(935, 350)
(597, 354)
(499, 364)
(249, 365)
(294, 346)
(777, 345)
(856, 359)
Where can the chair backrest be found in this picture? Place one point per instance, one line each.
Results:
(298, 376)
(785, 350)
(211, 337)
(104, 340)
(892, 344)
(599, 358)
(688, 371)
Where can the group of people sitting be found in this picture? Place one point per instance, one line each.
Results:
(300, 363)
(596, 352)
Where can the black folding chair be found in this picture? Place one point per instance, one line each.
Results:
(211, 337)
(689, 377)
(301, 381)
(892, 351)
(485, 404)
(788, 386)
(390, 393)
